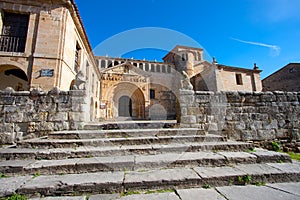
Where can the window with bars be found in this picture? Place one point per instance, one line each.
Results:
(14, 32)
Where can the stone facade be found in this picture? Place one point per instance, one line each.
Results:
(56, 48)
(151, 88)
(248, 116)
(32, 114)
(285, 79)
(157, 84)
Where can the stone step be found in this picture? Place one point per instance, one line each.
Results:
(178, 178)
(275, 191)
(131, 124)
(125, 133)
(138, 162)
(118, 150)
(104, 142)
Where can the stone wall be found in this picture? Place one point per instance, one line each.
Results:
(33, 114)
(247, 116)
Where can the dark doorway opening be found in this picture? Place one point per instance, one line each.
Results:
(125, 107)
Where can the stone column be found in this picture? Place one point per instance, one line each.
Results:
(188, 109)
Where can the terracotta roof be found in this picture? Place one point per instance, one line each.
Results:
(295, 64)
(183, 47)
(220, 66)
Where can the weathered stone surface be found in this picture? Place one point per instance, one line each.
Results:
(49, 112)
(251, 192)
(199, 193)
(292, 188)
(11, 185)
(158, 178)
(103, 182)
(239, 157)
(270, 156)
(213, 172)
(158, 196)
(104, 197)
(61, 198)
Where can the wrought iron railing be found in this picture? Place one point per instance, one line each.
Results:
(12, 44)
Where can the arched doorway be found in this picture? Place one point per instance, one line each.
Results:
(11, 76)
(125, 106)
(128, 101)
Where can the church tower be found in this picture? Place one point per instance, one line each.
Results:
(185, 58)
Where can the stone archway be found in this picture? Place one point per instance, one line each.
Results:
(129, 101)
(12, 76)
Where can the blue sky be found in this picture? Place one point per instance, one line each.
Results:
(236, 32)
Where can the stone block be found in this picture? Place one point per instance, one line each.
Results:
(76, 116)
(266, 135)
(193, 110)
(7, 137)
(202, 98)
(44, 126)
(183, 111)
(189, 119)
(58, 116)
(268, 97)
(75, 107)
(248, 135)
(234, 97)
(201, 118)
(10, 108)
(189, 100)
(35, 117)
(213, 127)
(80, 93)
(78, 100)
(7, 100)
(14, 117)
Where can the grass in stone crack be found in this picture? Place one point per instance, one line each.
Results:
(159, 191)
(15, 197)
(206, 186)
(295, 156)
(3, 175)
(36, 175)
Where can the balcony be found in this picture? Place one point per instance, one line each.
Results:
(12, 43)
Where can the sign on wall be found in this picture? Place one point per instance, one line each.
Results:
(46, 72)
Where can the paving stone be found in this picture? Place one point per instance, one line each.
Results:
(156, 196)
(53, 166)
(14, 166)
(239, 157)
(158, 178)
(258, 169)
(252, 192)
(213, 172)
(61, 198)
(293, 188)
(10, 185)
(270, 156)
(287, 167)
(199, 193)
(179, 159)
(104, 182)
(105, 163)
(104, 197)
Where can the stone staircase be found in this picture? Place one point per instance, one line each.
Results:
(139, 156)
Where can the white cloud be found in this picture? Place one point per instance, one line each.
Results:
(275, 50)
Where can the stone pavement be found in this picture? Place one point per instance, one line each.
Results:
(108, 163)
(276, 191)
